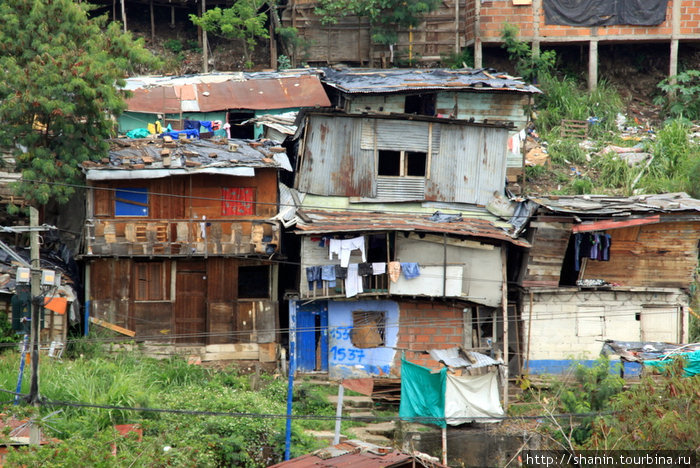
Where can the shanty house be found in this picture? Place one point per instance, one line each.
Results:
(181, 241)
(606, 268)
(398, 252)
(229, 98)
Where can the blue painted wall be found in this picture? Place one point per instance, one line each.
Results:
(347, 361)
(561, 366)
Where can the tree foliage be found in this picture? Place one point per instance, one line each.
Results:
(243, 21)
(682, 98)
(532, 67)
(59, 78)
(654, 415)
(386, 17)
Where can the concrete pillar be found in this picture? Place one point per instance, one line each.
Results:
(478, 53)
(536, 9)
(675, 32)
(593, 64)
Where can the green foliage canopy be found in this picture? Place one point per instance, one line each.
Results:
(59, 78)
(385, 17)
(243, 21)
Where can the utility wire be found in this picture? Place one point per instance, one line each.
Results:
(426, 419)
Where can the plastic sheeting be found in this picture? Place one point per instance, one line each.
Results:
(604, 12)
(472, 396)
(690, 368)
(422, 394)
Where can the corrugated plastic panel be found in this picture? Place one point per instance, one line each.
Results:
(485, 107)
(395, 103)
(333, 162)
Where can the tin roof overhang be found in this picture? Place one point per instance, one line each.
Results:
(324, 222)
(252, 94)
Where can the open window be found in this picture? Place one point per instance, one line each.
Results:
(131, 202)
(401, 163)
(254, 282)
(369, 329)
(420, 104)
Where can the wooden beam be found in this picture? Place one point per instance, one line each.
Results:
(609, 224)
(112, 327)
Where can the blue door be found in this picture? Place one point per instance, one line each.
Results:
(312, 337)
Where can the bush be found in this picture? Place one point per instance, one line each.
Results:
(682, 97)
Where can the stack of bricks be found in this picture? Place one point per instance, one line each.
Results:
(426, 325)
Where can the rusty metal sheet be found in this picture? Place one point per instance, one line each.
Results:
(358, 455)
(323, 222)
(252, 94)
(378, 81)
(261, 94)
(619, 206)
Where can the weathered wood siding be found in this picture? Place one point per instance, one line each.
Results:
(542, 264)
(196, 301)
(441, 32)
(653, 255)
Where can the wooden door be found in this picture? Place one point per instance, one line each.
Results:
(191, 303)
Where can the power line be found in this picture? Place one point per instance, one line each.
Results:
(469, 214)
(425, 419)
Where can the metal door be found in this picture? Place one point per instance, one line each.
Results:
(312, 337)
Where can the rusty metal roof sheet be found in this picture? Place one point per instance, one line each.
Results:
(377, 81)
(619, 206)
(248, 92)
(358, 454)
(321, 221)
(147, 158)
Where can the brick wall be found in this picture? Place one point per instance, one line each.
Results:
(425, 325)
(495, 13)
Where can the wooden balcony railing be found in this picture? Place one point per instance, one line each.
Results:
(115, 237)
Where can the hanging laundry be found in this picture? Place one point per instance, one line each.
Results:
(341, 272)
(191, 124)
(378, 268)
(328, 274)
(348, 245)
(227, 127)
(607, 242)
(334, 248)
(410, 270)
(394, 271)
(313, 276)
(595, 246)
(206, 124)
(353, 283)
(364, 269)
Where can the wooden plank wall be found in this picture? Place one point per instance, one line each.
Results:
(542, 265)
(349, 39)
(653, 255)
(196, 195)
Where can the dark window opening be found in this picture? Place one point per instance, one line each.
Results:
(420, 104)
(401, 163)
(131, 202)
(246, 131)
(369, 329)
(415, 163)
(389, 163)
(254, 282)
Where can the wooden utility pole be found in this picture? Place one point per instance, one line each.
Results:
(34, 430)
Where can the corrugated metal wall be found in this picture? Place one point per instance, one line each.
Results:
(467, 165)
(333, 162)
(470, 165)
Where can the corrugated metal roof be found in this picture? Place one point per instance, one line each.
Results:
(358, 454)
(145, 158)
(619, 206)
(322, 222)
(223, 92)
(377, 81)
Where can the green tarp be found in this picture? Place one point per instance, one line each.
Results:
(691, 366)
(422, 394)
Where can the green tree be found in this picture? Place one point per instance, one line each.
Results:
(60, 74)
(243, 21)
(385, 17)
(532, 67)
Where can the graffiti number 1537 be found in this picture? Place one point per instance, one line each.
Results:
(347, 354)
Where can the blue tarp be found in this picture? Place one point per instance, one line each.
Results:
(191, 133)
